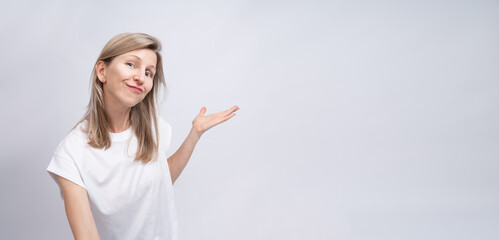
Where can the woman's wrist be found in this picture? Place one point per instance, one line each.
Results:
(195, 133)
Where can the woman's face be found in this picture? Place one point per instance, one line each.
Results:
(128, 78)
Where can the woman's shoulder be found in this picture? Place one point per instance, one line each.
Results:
(165, 133)
(163, 124)
(165, 128)
(78, 132)
(75, 138)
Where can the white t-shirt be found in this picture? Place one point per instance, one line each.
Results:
(128, 199)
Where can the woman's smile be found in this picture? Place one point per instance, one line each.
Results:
(135, 89)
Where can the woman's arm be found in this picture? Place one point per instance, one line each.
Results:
(179, 159)
(78, 210)
(200, 124)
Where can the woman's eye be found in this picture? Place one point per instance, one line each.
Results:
(129, 64)
(148, 74)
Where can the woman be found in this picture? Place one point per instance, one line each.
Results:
(112, 169)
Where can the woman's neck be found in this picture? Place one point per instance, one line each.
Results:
(118, 118)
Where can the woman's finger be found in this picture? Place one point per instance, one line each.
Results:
(227, 117)
(232, 109)
(203, 110)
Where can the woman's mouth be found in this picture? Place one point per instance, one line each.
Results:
(135, 89)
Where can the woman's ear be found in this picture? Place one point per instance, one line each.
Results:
(100, 70)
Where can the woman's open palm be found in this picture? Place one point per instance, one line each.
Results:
(204, 122)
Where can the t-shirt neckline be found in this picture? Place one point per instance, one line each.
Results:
(121, 135)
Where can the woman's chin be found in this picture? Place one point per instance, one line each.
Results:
(133, 105)
(130, 104)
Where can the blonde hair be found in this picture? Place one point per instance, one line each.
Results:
(142, 115)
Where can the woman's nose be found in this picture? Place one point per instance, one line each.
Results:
(139, 77)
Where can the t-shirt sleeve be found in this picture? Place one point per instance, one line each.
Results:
(63, 165)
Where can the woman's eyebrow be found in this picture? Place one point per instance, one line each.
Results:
(134, 56)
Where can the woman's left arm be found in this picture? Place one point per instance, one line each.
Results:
(200, 124)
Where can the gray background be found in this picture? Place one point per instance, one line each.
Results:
(357, 120)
